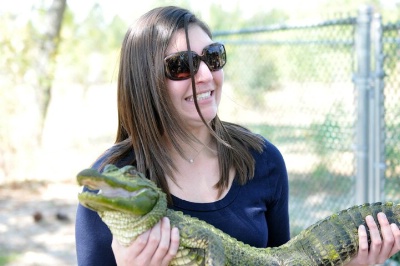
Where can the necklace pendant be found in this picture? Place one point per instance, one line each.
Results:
(191, 160)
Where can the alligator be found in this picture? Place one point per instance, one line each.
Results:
(130, 204)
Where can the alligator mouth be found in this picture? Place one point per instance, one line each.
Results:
(104, 189)
(109, 193)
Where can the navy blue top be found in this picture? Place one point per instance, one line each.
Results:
(255, 213)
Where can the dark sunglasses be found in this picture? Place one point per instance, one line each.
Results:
(177, 65)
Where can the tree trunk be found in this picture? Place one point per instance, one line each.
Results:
(46, 60)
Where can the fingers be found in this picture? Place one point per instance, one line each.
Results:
(390, 235)
(156, 242)
(122, 254)
(383, 244)
(363, 247)
(175, 240)
(163, 238)
(387, 236)
(157, 246)
(164, 243)
(140, 243)
(396, 236)
(378, 249)
(368, 253)
(173, 247)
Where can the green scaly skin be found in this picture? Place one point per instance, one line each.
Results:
(130, 204)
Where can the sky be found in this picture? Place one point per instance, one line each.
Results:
(123, 8)
(126, 8)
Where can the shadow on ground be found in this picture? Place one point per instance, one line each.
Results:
(37, 223)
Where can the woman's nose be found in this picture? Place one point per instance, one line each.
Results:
(204, 73)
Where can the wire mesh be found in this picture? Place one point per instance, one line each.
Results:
(294, 85)
(391, 48)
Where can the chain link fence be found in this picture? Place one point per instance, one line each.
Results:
(391, 66)
(297, 86)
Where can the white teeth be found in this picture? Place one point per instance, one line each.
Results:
(110, 192)
(201, 96)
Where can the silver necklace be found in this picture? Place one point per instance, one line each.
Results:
(191, 160)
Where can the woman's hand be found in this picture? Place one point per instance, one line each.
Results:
(157, 246)
(381, 248)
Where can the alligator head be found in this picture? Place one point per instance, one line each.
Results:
(118, 189)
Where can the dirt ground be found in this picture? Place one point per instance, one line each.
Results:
(37, 223)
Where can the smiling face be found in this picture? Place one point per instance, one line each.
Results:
(208, 83)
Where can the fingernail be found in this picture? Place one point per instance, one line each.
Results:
(394, 226)
(369, 218)
(382, 215)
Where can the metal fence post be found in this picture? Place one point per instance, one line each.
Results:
(377, 123)
(362, 87)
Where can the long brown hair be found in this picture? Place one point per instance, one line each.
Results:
(146, 117)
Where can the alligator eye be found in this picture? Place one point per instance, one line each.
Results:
(133, 171)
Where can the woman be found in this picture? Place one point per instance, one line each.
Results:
(169, 89)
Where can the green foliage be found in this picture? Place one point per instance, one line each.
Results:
(251, 69)
(252, 72)
(392, 149)
(16, 60)
(342, 6)
(6, 258)
(278, 134)
(331, 134)
(89, 50)
(16, 47)
(233, 19)
(221, 19)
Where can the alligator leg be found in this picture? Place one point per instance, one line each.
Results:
(199, 247)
